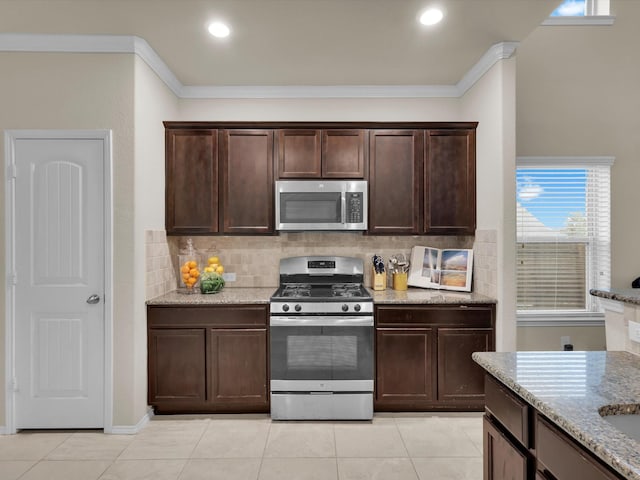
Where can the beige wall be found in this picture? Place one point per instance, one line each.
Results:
(578, 95)
(61, 91)
(153, 103)
(548, 338)
(491, 101)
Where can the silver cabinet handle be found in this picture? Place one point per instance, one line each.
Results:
(93, 299)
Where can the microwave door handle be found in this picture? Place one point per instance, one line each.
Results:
(343, 201)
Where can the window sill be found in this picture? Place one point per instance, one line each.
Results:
(578, 319)
(604, 20)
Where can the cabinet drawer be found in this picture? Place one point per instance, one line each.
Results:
(508, 409)
(459, 315)
(214, 316)
(565, 460)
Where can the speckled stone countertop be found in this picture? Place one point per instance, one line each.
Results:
(226, 296)
(570, 388)
(262, 295)
(626, 295)
(424, 295)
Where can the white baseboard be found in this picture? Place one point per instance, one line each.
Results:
(132, 429)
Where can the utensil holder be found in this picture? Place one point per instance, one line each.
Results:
(400, 281)
(378, 280)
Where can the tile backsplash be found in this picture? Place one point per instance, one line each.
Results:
(255, 259)
(160, 277)
(485, 263)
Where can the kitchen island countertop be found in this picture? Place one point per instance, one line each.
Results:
(626, 295)
(248, 295)
(570, 388)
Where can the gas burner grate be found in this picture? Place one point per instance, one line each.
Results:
(346, 290)
(297, 290)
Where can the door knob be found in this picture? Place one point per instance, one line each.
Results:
(93, 299)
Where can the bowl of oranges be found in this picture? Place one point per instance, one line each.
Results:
(211, 280)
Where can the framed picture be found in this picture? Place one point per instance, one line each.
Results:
(446, 269)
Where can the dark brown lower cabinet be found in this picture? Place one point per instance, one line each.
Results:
(208, 359)
(423, 356)
(458, 379)
(237, 373)
(405, 370)
(519, 440)
(177, 374)
(502, 459)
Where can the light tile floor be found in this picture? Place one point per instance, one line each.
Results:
(391, 447)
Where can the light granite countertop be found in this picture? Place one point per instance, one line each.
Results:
(570, 388)
(427, 296)
(262, 294)
(626, 295)
(225, 296)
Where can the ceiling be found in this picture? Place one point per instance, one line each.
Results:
(295, 42)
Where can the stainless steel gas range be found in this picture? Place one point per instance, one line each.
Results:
(321, 331)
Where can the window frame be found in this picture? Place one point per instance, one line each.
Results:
(557, 318)
(594, 15)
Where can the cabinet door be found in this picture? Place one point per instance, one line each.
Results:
(299, 153)
(502, 459)
(176, 366)
(238, 368)
(450, 182)
(405, 367)
(395, 179)
(247, 181)
(343, 154)
(191, 176)
(460, 379)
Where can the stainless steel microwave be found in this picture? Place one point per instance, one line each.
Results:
(321, 205)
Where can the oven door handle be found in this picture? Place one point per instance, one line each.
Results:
(321, 321)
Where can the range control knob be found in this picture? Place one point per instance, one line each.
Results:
(298, 307)
(357, 307)
(285, 308)
(345, 307)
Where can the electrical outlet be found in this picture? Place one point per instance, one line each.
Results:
(634, 331)
(229, 276)
(565, 340)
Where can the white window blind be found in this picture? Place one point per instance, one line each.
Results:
(563, 233)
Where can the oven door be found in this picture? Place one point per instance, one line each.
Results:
(321, 354)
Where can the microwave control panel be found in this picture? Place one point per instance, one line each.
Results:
(354, 207)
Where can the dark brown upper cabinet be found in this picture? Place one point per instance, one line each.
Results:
(315, 153)
(395, 181)
(247, 198)
(450, 182)
(191, 184)
(422, 181)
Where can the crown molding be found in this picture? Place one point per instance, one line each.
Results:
(25, 42)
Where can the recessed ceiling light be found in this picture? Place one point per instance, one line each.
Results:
(431, 16)
(219, 29)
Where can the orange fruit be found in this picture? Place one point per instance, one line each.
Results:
(185, 276)
(185, 268)
(194, 272)
(192, 264)
(191, 281)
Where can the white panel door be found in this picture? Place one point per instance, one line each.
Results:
(59, 266)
